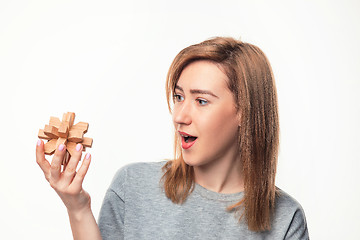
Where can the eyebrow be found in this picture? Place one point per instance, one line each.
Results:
(198, 91)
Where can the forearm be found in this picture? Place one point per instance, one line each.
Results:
(84, 226)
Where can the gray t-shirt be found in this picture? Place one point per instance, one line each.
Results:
(136, 207)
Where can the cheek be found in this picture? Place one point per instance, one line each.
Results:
(220, 124)
(173, 115)
(173, 119)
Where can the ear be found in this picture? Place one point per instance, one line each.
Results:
(238, 116)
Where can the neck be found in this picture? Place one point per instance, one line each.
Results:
(222, 175)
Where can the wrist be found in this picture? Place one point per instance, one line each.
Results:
(80, 214)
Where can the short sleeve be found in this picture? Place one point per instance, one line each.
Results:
(111, 217)
(298, 227)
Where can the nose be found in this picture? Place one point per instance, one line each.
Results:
(182, 114)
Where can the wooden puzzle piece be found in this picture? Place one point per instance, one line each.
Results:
(76, 136)
(51, 131)
(65, 132)
(50, 146)
(42, 135)
(87, 142)
(82, 126)
(54, 121)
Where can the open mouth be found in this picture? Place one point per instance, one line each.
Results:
(187, 140)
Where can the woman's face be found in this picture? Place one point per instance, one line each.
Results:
(205, 115)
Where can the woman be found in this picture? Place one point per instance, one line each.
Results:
(221, 183)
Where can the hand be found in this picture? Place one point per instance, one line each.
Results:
(66, 182)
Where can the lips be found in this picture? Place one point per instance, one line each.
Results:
(187, 140)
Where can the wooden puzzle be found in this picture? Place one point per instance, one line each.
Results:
(65, 132)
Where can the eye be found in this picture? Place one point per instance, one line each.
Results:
(178, 98)
(202, 102)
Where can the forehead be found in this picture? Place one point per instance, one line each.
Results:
(203, 74)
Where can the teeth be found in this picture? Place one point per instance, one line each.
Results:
(184, 135)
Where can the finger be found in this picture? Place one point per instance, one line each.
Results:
(70, 169)
(55, 169)
(41, 160)
(80, 175)
(66, 159)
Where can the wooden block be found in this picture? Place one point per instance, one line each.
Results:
(50, 146)
(51, 131)
(64, 130)
(66, 117)
(75, 136)
(54, 121)
(60, 140)
(81, 126)
(71, 147)
(42, 135)
(72, 118)
(69, 117)
(87, 142)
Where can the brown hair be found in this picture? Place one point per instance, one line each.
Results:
(251, 81)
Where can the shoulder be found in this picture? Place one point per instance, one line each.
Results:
(140, 169)
(289, 213)
(137, 173)
(284, 200)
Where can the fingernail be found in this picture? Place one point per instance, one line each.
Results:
(87, 156)
(39, 142)
(78, 147)
(61, 147)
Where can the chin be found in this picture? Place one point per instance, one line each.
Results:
(188, 161)
(193, 162)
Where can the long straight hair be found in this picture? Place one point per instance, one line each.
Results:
(251, 80)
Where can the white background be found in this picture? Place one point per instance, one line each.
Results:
(107, 61)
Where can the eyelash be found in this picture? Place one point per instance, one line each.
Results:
(176, 97)
(199, 100)
(202, 100)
